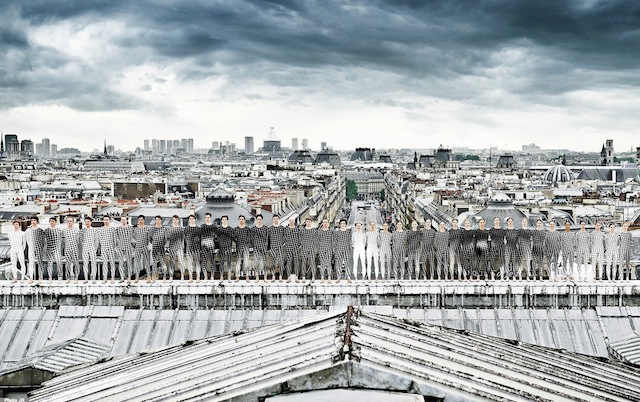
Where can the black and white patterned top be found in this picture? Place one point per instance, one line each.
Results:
(208, 235)
(625, 245)
(35, 241)
(292, 238)
(107, 240)
(385, 242)
(276, 237)
(225, 238)
(308, 239)
(568, 243)
(175, 239)
(192, 239)
(342, 242)
(455, 239)
(124, 239)
(53, 241)
(325, 241)
(158, 237)
(414, 238)
(611, 243)
(243, 237)
(399, 243)
(597, 241)
(89, 240)
(497, 238)
(71, 242)
(441, 243)
(260, 238)
(141, 238)
(373, 239)
(552, 243)
(537, 238)
(428, 236)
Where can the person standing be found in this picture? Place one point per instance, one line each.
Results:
(158, 237)
(525, 240)
(260, 240)
(208, 238)
(441, 249)
(372, 252)
(511, 256)
(624, 252)
(427, 252)
(583, 252)
(398, 251)
(414, 240)
(125, 248)
(175, 246)
(107, 239)
(193, 248)
(483, 253)
(455, 242)
(35, 248)
(596, 244)
(18, 244)
(467, 249)
(224, 232)
(342, 249)
(325, 249)
(552, 245)
(89, 243)
(537, 247)
(141, 239)
(359, 243)
(308, 242)
(276, 242)
(497, 246)
(53, 247)
(292, 250)
(611, 247)
(243, 238)
(385, 251)
(71, 245)
(568, 248)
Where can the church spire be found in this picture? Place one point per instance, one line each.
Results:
(105, 147)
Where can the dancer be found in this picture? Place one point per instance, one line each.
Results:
(53, 247)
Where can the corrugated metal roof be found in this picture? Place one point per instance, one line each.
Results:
(349, 350)
(627, 350)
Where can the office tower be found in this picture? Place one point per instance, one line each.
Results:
(147, 145)
(12, 145)
(248, 145)
(26, 149)
(294, 144)
(190, 145)
(305, 143)
(215, 145)
(155, 146)
(162, 146)
(323, 146)
(54, 151)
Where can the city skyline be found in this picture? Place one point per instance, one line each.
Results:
(351, 74)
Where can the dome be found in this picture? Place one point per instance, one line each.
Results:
(557, 174)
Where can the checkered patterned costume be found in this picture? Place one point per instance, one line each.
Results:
(597, 252)
(18, 243)
(89, 243)
(260, 241)
(35, 248)
(107, 238)
(125, 250)
(373, 254)
(624, 253)
(325, 251)
(399, 251)
(455, 243)
(511, 254)
(142, 256)
(568, 248)
(276, 242)
(611, 248)
(467, 251)
(414, 239)
(496, 245)
(291, 251)
(525, 239)
(175, 240)
(583, 252)
(537, 248)
(427, 253)
(441, 250)
(359, 242)
(53, 246)
(552, 246)
(208, 242)
(243, 237)
(71, 245)
(483, 253)
(225, 240)
(385, 254)
(342, 251)
(158, 237)
(308, 249)
(193, 249)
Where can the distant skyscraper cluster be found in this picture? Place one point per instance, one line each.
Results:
(168, 147)
(12, 148)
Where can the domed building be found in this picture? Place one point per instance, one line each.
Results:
(557, 174)
(501, 206)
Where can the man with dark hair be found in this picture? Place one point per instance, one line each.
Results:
(53, 246)
(35, 248)
(414, 238)
(292, 250)
(482, 252)
(525, 244)
(141, 239)
(125, 248)
(455, 240)
(224, 232)
(18, 243)
(158, 236)
(359, 244)
(175, 240)
(497, 246)
(568, 247)
(510, 249)
(441, 248)
(583, 251)
(372, 252)
(624, 252)
(108, 248)
(260, 241)
(552, 243)
(342, 249)
(399, 251)
(193, 247)
(89, 243)
(208, 234)
(597, 250)
(71, 245)
(385, 251)
(611, 245)
(276, 242)
(537, 248)
(243, 237)
(427, 251)
(308, 241)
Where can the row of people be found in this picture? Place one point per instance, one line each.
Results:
(308, 252)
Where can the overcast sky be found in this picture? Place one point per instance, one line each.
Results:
(382, 74)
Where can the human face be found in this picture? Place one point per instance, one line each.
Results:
(524, 223)
(70, 222)
(107, 221)
(399, 227)
(175, 221)
(87, 223)
(552, 226)
(567, 227)
(224, 220)
(259, 221)
(325, 224)
(241, 221)
(16, 226)
(158, 222)
(427, 224)
(539, 225)
(510, 223)
(34, 223)
(467, 224)
(481, 224)
(441, 226)
(52, 223)
(372, 226)
(582, 224)
(307, 222)
(612, 229)
(496, 223)
(292, 223)
(455, 224)
(141, 221)
(414, 225)
(343, 225)
(192, 221)
(276, 221)
(598, 226)
(385, 227)
(124, 221)
(207, 219)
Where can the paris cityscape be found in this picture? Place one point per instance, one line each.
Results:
(281, 201)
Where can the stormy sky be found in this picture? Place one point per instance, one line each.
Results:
(382, 74)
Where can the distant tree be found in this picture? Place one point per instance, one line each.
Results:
(618, 160)
(460, 157)
(382, 195)
(352, 190)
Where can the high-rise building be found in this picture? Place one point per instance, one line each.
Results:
(162, 146)
(54, 151)
(46, 148)
(12, 145)
(147, 146)
(294, 144)
(323, 146)
(272, 143)
(39, 149)
(189, 145)
(215, 145)
(248, 145)
(155, 146)
(305, 143)
(26, 149)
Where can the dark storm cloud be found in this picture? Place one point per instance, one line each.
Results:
(432, 48)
